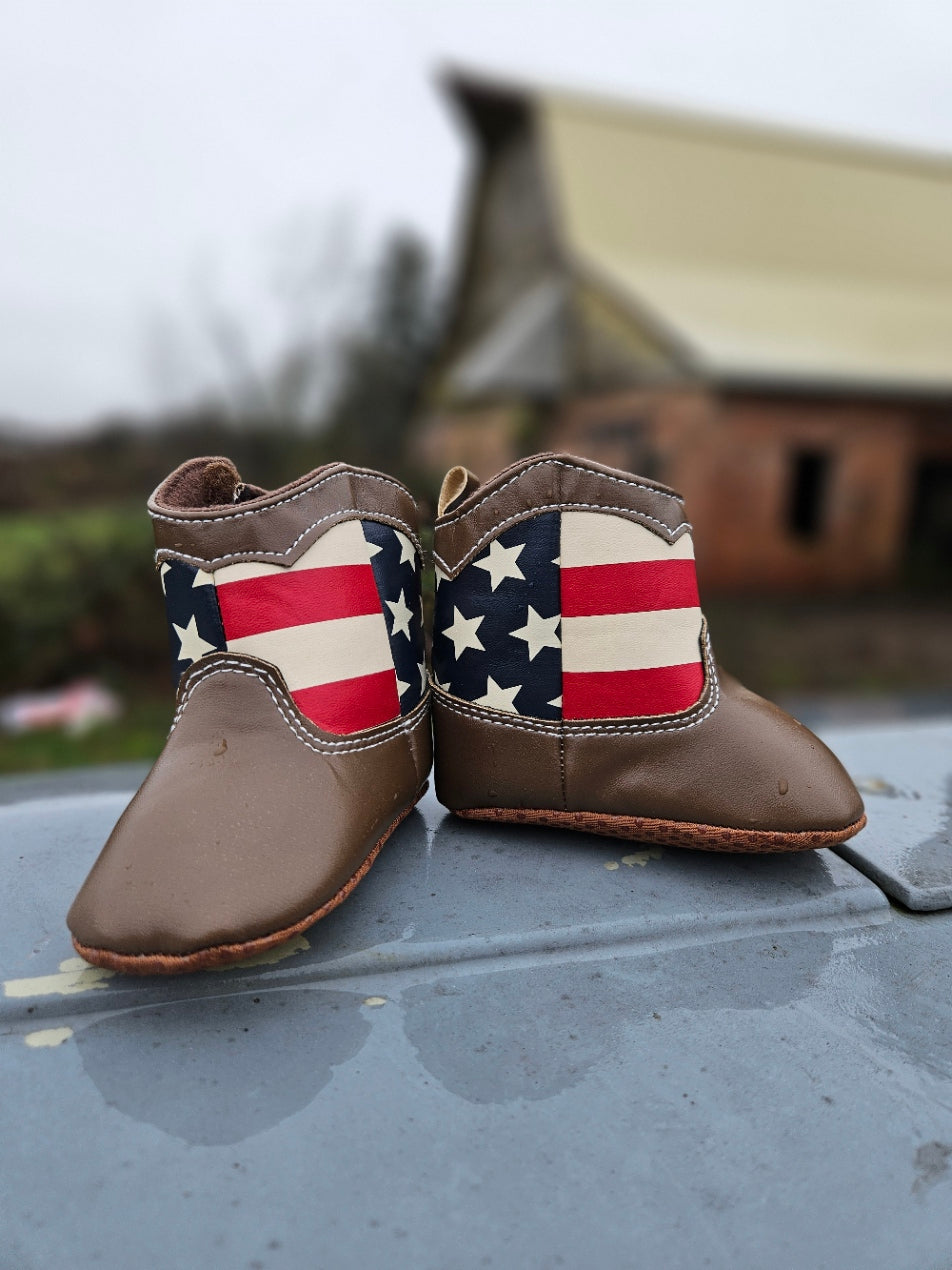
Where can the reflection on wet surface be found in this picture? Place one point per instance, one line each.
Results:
(539, 1040)
(216, 1071)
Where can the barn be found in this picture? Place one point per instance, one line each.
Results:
(759, 318)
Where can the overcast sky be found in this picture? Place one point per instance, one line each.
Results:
(165, 162)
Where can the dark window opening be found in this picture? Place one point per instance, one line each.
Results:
(810, 479)
(929, 548)
(625, 443)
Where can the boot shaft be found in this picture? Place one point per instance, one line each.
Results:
(566, 591)
(320, 579)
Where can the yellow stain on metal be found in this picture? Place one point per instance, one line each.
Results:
(641, 858)
(876, 785)
(75, 975)
(270, 957)
(47, 1038)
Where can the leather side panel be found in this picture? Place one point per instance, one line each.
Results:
(248, 821)
(491, 764)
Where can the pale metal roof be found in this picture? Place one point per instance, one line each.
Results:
(771, 255)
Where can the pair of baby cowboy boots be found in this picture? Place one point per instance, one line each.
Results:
(573, 685)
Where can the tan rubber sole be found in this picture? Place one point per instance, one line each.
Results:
(226, 954)
(668, 833)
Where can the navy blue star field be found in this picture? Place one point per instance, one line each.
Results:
(497, 630)
(194, 619)
(396, 567)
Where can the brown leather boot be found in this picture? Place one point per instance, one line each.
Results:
(574, 683)
(301, 735)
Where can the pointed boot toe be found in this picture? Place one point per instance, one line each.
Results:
(574, 683)
(301, 732)
(251, 826)
(788, 777)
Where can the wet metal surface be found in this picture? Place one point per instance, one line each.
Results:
(905, 776)
(510, 1048)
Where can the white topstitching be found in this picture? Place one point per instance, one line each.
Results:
(604, 476)
(166, 553)
(670, 534)
(405, 723)
(291, 498)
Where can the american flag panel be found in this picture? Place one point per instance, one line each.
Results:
(342, 624)
(575, 615)
(396, 565)
(191, 609)
(631, 621)
(496, 638)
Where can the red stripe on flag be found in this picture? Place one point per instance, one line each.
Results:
(624, 694)
(276, 600)
(350, 705)
(639, 587)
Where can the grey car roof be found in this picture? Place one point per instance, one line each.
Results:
(511, 1047)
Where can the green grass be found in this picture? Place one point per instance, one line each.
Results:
(78, 596)
(57, 537)
(139, 734)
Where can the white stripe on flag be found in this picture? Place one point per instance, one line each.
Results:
(601, 538)
(344, 543)
(631, 641)
(323, 652)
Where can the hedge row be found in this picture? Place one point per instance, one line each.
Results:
(79, 594)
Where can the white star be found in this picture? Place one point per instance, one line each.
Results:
(557, 702)
(463, 633)
(407, 549)
(193, 646)
(373, 549)
(501, 563)
(499, 698)
(440, 576)
(163, 570)
(538, 632)
(557, 560)
(203, 578)
(401, 615)
(401, 687)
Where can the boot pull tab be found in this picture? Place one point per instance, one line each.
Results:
(221, 483)
(458, 483)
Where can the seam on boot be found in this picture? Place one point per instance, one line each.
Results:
(291, 498)
(669, 535)
(678, 723)
(407, 722)
(604, 476)
(344, 513)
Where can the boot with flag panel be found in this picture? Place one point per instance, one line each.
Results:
(574, 683)
(301, 735)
